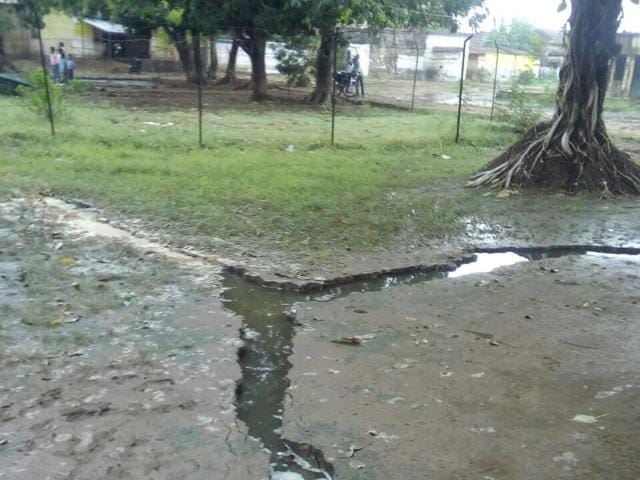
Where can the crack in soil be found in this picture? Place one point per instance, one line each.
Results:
(268, 309)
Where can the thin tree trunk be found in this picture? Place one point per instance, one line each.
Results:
(230, 73)
(181, 43)
(324, 67)
(573, 150)
(212, 74)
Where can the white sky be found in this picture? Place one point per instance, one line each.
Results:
(544, 14)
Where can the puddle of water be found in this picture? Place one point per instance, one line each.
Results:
(488, 262)
(268, 334)
(121, 82)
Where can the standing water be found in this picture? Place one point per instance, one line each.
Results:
(268, 335)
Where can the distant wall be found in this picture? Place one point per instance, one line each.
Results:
(509, 65)
(443, 56)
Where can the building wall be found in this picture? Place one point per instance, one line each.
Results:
(509, 65)
(443, 56)
(17, 42)
(625, 73)
(78, 37)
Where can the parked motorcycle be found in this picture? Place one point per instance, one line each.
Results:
(135, 65)
(349, 85)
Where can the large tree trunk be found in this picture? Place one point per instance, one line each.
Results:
(256, 50)
(324, 67)
(212, 74)
(230, 73)
(181, 43)
(573, 150)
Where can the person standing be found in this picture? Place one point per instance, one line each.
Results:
(54, 63)
(71, 67)
(63, 62)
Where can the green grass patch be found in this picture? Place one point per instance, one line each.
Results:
(389, 173)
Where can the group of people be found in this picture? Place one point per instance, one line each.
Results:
(62, 65)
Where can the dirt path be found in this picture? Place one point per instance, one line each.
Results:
(528, 373)
(116, 362)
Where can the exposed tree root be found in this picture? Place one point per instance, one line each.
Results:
(546, 157)
(227, 80)
(573, 151)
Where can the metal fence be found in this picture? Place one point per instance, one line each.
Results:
(404, 69)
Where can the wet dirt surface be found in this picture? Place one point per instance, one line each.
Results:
(115, 361)
(530, 372)
(127, 361)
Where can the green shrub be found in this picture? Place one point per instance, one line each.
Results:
(76, 87)
(296, 60)
(526, 77)
(521, 114)
(36, 99)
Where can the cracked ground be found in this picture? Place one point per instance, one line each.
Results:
(115, 363)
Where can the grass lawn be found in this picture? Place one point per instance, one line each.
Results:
(390, 173)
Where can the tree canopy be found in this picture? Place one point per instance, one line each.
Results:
(519, 35)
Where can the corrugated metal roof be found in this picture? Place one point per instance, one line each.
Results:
(105, 25)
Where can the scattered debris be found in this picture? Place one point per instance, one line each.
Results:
(550, 270)
(477, 429)
(588, 419)
(67, 261)
(589, 347)
(353, 341)
(356, 465)
(360, 444)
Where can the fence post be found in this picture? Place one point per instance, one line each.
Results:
(464, 58)
(495, 81)
(415, 78)
(44, 70)
(200, 79)
(333, 91)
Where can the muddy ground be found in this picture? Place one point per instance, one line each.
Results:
(527, 373)
(114, 362)
(120, 361)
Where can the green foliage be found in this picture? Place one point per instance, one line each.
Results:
(76, 87)
(521, 113)
(296, 60)
(520, 35)
(6, 25)
(35, 97)
(526, 77)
